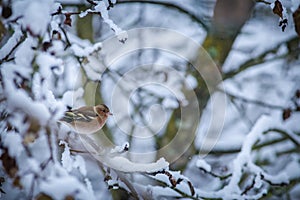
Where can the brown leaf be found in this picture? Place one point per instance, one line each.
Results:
(17, 182)
(43, 196)
(29, 138)
(34, 126)
(278, 8)
(286, 113)
(68, 20)
(9, 163)
(296, 17)
(173, 181)
(69, 197)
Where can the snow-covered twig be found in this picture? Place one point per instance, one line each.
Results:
(291, 136)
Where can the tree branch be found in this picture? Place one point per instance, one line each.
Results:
(251, 101)
(168, 6)
(6, 58)
(258, 60)
(288, 135)
(263, 1)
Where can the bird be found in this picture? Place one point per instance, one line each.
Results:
(86, 119)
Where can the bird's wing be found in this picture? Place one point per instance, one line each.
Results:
(85, 114)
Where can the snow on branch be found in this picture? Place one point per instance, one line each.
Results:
(40, 78)
(244, 162)
(43, 63)
(100, 7)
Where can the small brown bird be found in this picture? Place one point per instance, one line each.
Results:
(87, 119)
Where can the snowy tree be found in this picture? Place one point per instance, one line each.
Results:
(205, 97)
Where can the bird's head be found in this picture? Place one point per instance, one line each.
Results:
(102, 110)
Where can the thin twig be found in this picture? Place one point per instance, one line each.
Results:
(173, 183)
(262, 1)
(30, 195)
(293, 138)
(251, 101)
(128, 184)
(237, 150)
(6, 58)
(258, 60)
(92, 2)
(65, 13)
(280, 184)
(249, 187)
(169, 6)
(66, 37)
(80, 151)
(287, 151)
(216, 175)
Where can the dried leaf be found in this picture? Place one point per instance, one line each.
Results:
(173, 181)
(278, 8)
(296, 17)
(9, 163)
(17, 182)
(43, 196)
(29, 138)
(69, 197)
(68, 20)
(34, 126)
(286, 114)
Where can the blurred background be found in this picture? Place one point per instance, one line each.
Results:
(256, 54)
(249, 51)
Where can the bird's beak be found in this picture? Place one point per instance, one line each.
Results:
(109, 113)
